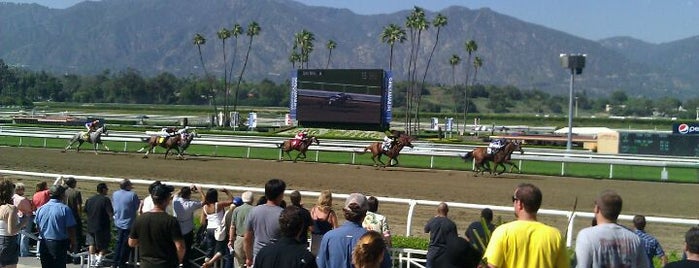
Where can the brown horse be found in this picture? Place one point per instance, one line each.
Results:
(377, 150)
(482, 157)
(301, 146)
(175, 142)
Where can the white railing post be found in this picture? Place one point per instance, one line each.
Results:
(247, 154)
(44, 142)
(353, 157)
(409, 222)
(611, 171)
(125, 146)
(563, 168)
(317, 153)
(431, 161)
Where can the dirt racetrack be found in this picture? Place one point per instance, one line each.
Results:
(647, 198)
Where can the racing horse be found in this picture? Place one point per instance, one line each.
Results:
(301, 146)
(179, 143)
(482, 158)
(95, 138)
(377, 150)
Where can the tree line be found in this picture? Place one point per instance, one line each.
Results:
(20, 87)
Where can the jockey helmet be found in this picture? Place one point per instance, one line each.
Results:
(97, 121)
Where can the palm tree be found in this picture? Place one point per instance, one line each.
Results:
(477, 64)
(236, 31)
(224, 34)
(453, 61)
(416, 23)
(330, 46)
(304, 41)
(199, 40)
(390, 35)
(253, 30)
(438, 22)
(294, 58)
(471, 46)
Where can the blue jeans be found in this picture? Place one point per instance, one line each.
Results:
(24, 239)
(53, 253)
(121, 248)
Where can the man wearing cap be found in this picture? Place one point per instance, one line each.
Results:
(125, 204)
(99, 232)
(262, 222)
(184, 209)
(157, 234)
(336, 247)
(238, 229)
(56, 229)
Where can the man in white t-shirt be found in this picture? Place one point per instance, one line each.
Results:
(609, 244)
(184, 209)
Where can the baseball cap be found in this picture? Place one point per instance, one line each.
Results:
(237, 201)
(162, 191)
(358, 199)
(246, 197)
(56, 190)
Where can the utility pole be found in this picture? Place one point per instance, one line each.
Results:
(575, 63)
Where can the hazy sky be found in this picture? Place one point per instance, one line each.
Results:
(654, 21)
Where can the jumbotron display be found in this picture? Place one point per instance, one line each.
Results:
(344, 96)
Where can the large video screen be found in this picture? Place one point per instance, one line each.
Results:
(355, 96)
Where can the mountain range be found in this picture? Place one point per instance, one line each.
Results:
(154, 36)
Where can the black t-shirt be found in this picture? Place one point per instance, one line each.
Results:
(73, 198)
(98, 208)
(457, 254)
(287, 252)
(683, 264)
(477, 227)
(440, 229)
(156, 232)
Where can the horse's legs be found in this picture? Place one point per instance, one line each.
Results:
(70, 143)
(148, 151)
(80, 143)
(105, 146)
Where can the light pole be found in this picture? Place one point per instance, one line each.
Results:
(575, 63)
(576, 106)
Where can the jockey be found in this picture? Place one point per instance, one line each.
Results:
(302, 135)
(167, 132)
(388, 140)
(496, 144)
(92, 125)
(182, 132)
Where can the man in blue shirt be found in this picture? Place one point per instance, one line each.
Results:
(650, 244)
(56, 226)
(125, 203)
(336, 247)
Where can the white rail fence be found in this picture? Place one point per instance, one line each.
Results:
(421, 149)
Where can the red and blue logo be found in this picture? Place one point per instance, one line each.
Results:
(687, 128)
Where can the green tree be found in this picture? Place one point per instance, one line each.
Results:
(253, 30)
(416, 22)
(390, 35)
(454, 61)
(330, 46)
(294, 57)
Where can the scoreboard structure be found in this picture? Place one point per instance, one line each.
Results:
(353, 98)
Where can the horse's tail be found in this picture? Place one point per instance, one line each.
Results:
(365, 149)
(466, 156)
(145, 139)
(280, 145)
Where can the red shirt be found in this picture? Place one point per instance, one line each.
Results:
(40, 198)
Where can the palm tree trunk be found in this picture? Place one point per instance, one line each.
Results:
(212, 96)
(424, 76)
(240, 77)
(330, 53)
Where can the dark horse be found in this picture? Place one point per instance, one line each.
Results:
(301, 146)
(500, 158)
(177, 142)
(95, 138)
(377, 150)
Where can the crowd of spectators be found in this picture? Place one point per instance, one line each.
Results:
(274, 234)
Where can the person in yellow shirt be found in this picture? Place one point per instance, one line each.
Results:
(526, 242)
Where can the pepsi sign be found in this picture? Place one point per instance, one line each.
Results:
(685, 128)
